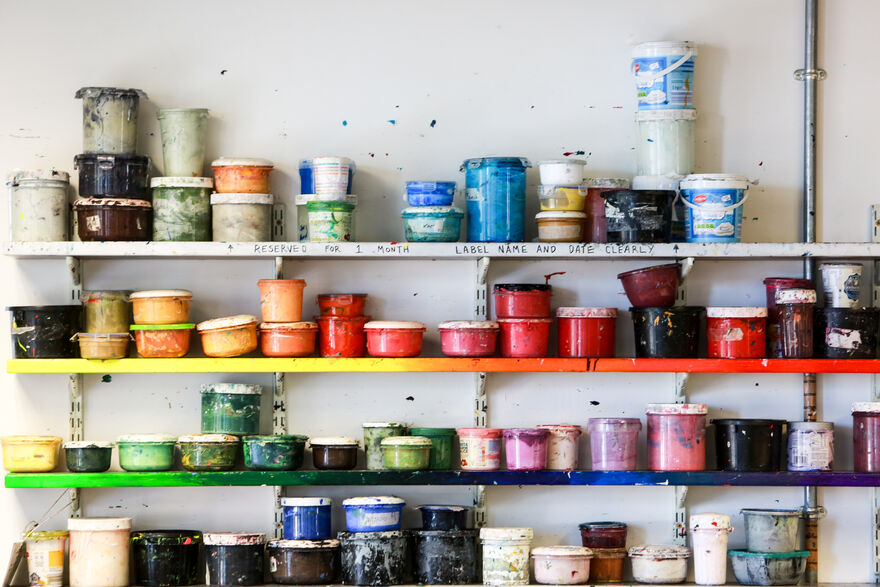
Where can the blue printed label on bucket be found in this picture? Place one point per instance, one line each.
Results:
(851, 287)
(714, 215)
(674, 90)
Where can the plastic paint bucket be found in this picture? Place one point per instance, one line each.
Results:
(38, 205)
(614, 444)
(525, 337)
(810, 446)
(166, 557)
(99, 552)
(736, 332)
(522, 300)
(342, 336)
(496, 198)
(866, 437)
(168, 341)
(749, 445)
(664, 182)
(444, 517)
(665, 142)
(234, 558)
(208, 452)
(183, 133)
(304, 562)
(281, 452)
(651, 287)
(374, 558)
(841, 283)
(468, 338)
(114, 176)
(235, 175)
(334, 453)
(664, 74)
(558, 172)
(795, 320)
(432, 224)
(676, 437)
(373, 514)
(374, 434)
(241, 217)
(161, 306)
(45, 332)
(103, 346)
(768, 568)
(525, 449)
(306, 518)
(561, 227)
(302, 212)
(330, 221)
(714, 204)
(445, 557)
(773, 530)
(594, 205)
(146, 452)
(113, 219)
(332, 175)
(663, 564)
(562, 565)
(110, 119)
(388, 338)
(586, 332)
(607, 565)
(430, 193)
(231, 408)
(441, 447)
(407, 453)
(307, 175)
(342, 304)
(638, 216)
(562, 198)
(667, 333)
(562, 446)
(106, 311)
(506, 555)
(281, 299)
(84, 456)
(709, 534)
(288, 339)
(480, 448)
(603, 534)
(230, 336)
(45, 557)
(181, 208)
(846, 333)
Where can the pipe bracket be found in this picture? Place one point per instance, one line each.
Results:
(808, 74)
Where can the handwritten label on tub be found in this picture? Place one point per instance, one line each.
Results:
(380, 519)
(843, 338)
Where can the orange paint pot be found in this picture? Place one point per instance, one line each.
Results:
(161, 306)
(241, 176)
(162, 341)
(387, 338)
(288, 339)
(228, 337)
(281, 299)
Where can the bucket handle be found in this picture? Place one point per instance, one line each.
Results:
(651, 77)
(695, 207)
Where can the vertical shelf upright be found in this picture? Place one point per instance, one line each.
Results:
(680, 513)
(481, 396)
(279, 420)
(76, 421)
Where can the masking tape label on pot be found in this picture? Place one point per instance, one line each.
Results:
(732, 335)
(473, 195)
(811, 450)
(93, 223)
(273, 565)
(432, 225)
(843, 338)
(381, 518)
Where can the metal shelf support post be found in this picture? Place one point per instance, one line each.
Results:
(481, 397)
(75, 427)
(279, 414)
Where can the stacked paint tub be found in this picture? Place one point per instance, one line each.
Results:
(308, 554)
(242, 205)
(774, 553)
(562, 198)
(39, 209)
(108, 317)
(523, 314)
(341, 325)
(496, 198)
(161, 327)
(375, 549)
(114, 201)
(282, 331)
(445, 550)
(325, 206)
(844, 329)
(431, 217)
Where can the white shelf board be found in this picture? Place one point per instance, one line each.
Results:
(372, 250)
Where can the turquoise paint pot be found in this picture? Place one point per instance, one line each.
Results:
(432, 224)
(231, 408)
(274, 453)
(146, 452)
(496, 198)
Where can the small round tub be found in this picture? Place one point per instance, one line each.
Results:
(282, 452)
(342, 304)
(30, 454)
(146, 452)
(586, 332)
(373, 514)
(736, 332)
(342, 336)
(406, 453)
(288, 339)
(103, 345)
(229, 337)
(240, 175)
(281, 299)
(562, 565)
(387, 338)
(480, 448)
(522, 300)
(330, 221)
(432, 224)
(113, 219)
(659, 564)
(306, 518)
(468, 338)
(430, 193)
(162, 341)
(525, 337)
(334, 453)
(85, 456)
(525, 449)
(161, 306)
(554, 172)
(208, 452)
(561, 227)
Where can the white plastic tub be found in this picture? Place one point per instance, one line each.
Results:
(99, 552)
(562, 171)
(665, 144)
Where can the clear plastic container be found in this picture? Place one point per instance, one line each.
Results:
(38, 205)
(614, 443)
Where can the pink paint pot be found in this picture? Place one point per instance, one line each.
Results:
(562, 446)
(386, 338)
(866, 437)
(525, 449)
(522, 300)
(594, 205)
(676, 437)
(525, 337)
(468, 338)
(480, 448)
(737, 332)
(614, 443)
(586, 332)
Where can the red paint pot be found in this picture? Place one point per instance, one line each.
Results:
(288, 339)
(387, 338)
(586, 332)
(676, 437)
(468, 338)
(342, 304)
(773, 284)
(866, 437)
(737, 333)
(796, 310)
(651, 287)
(522, 300)
(524, 337)
(342, 336)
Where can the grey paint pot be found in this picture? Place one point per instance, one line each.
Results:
(773, 530)
(762, 568)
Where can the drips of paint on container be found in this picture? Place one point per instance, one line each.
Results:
(86, 456)
(666, 141)
(596, 228)
(106, 311)
(304, 562)
(709, 534)
(562, 446)
(38, 205)
(161, 306)
(480, 448)
(281, 299)
(562, 565)
(406, 453)
(506, 555)
(45, 332)
(330, 221)
(676, 437)
(638, 216)
(231, 336)
(468, 338)
(445, 557)
(866, 437)
(841, 284)
(183, 132)
(436, 224)
(234, 558)
(795, 307)
(99, 552)
(241, 217)
(281, 452)
(736, 332)
(166, 341)
(525, 449)
(110, 118)
(768, 568)
(306, 518)
(525, 337)
(373, 514)
(773, 530)
(166, 557)
(374, 434)
(146, 452)
(234, 175)
(231, 408)
(772, 285)
(496, 198)
(654, 286)
(586, 332)
(208, 452)
(846, 333)
(342, 336)
(113, 176)
(30, 454)
(659, 563)
(181, 208)
(667, 333)
(614, 444)
(749, 444)
(374, 558)
(444, 517)
(522, 300)
(810, 446)
(113, 219)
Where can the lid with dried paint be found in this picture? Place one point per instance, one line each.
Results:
(810, 426)
(517, 432)
(524, 320)
(659, 551)
(92, 91)
(99, 524)
(578, 312)
(146, 438)
(87, 444)
(407, 441)
(561, 429)
(736, 312)
(394, 325)
(306, 501)
(469, 325)
(373, 500)
(288, 326)
(333, 441)
(866, 407)
(161, 293)
(242, 198)
(329, 543)
(235, 388)
(580, 162)
(795, 296)
(710, 521)
(521, 287)
(443, 508)
(16, 176)
(241, 162)
(383, 425)
(677, 409)
(162, 326)
(562, 551)
(209, 438)
(607, 182)
(182, 182)
(227, 322)
(233, 538)
(481, 432)
(111, 203)
(506, 533)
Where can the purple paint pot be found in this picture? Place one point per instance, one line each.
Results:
(614, 443)
(525, 449)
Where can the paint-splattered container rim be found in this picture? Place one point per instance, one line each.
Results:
(230, 198)
(736, 312)
(146, 439)
(182, 182)
(563, 551)
(659, 551)
(507, 534)
(677, 409)
(710, 521)
(234, 538)
(328, 544)
(241, 162)
(98, 524)
(866, 407)
(232, 388)
(306, 501)
(584, 312)
(377, 500)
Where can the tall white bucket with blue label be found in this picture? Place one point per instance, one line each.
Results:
(664, 74)
(714, 203)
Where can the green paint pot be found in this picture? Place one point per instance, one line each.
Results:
(146, 452)
(84, 456)
(441, 446)
(274, 453)
(183, 133)
(208, 452)
(182, 208)
(406, 453)
(231, 408)
(374, 434)
(166, 557)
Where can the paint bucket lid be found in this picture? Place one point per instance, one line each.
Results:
(227, 322)
(866, 407)
(98, 524)
(432, 432)
(777, 555)
(614, 422)
(16, 176)
(92, 91)
(715, 181)
(658, 182)
(524, 320)
(795, 296)
(167, 537)
(111, 203)
(582, 312)
(581, 162)
(519, 432)
(242, 198)
(208, 438)
(332, 441)
(304, 199)
(429, 187)
(241, 162)
(274, 438)
(788, 282)
(182, 182)
(710, 521)
(771, 512)
(824, 266)
(146, 439)
(810, 426)
(561, 428)
(560, 215)
(161, 293)
(677, 409)
(506, 533)
(609, 552)
(87, 444)
(331, 319)
(306, 501)
(161, 112)
(481, 432)
(329, 543)
(621, 183)
(383, 425)
(469, 325)
(394, 325)
(736, 312)
(379, 500)
(162, 326)
(233, 538)
(288, 325)
(477, 162)
(663, 48)
(233, 388)
(370, 537)
(101, 336)
(39, 535)
(410, 441)
(443, 508)
(28, 439)
(659, 551)
(566, 550)
(517, 287)
(602, 526)
(655, 115)
(432, 211)
(747, 422)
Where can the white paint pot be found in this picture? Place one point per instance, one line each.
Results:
(841, 283)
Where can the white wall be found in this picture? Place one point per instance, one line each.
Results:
(515, 78)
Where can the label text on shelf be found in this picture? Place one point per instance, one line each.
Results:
(471, 250)
(392, 249)
(279, 248)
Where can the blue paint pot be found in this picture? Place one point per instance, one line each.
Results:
(432, 224)
(496, 198)
(307, 176)
(444, 517)
(714, 203)
(430, 193)
(373, 514)
(306, 518)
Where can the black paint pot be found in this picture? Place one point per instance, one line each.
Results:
(374, 558)
(749, 445)
(445, 557)
(638, 216)
(45, 332)
(304, 562)
(166, 557)
(668, 333)
(846, 333)
(235, 558)
(444, 517)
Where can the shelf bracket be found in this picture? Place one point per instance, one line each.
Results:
(679, 396)
(680, 529)
(481, 397)
(681, 295)
(279, 414)
(75, 423)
